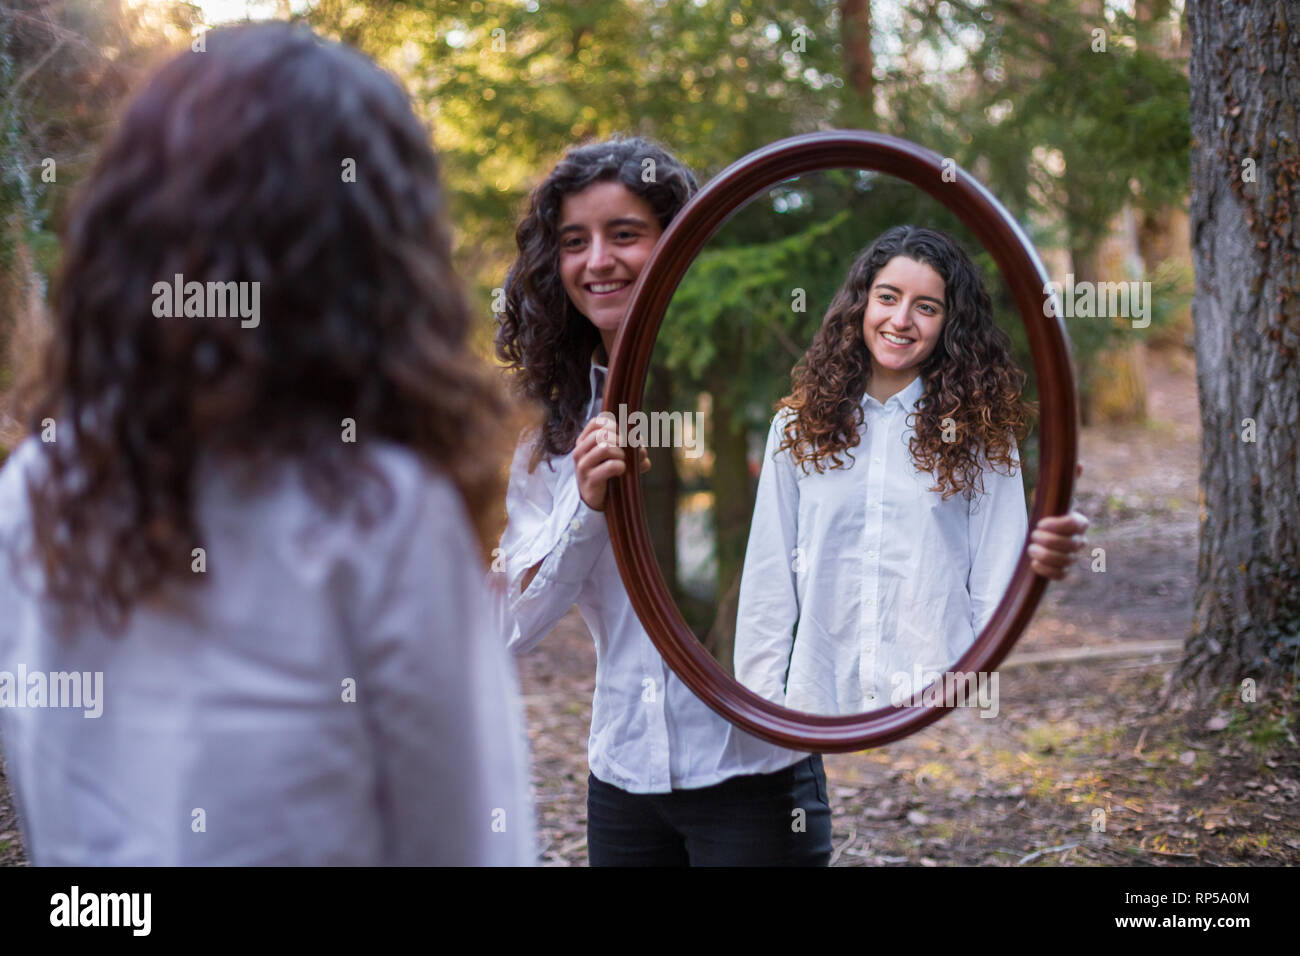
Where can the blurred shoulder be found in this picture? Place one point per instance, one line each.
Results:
(394, 501)
(421, 492)
(783, 417)
(24, 456)
(23, 465)
(782, 421)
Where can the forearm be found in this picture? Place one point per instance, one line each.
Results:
(541, 591)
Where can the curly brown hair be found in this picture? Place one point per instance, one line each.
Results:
(969, 378)
(231, 165)
(545, 342)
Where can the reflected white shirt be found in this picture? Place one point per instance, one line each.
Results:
(858, 577)
(649, 733)
(235, 705)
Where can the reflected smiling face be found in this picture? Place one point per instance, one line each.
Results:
(607, 233)
(903, 319)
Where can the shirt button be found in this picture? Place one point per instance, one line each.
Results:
(876, 460)
(575, 524)
(869, 602)
(565, 538)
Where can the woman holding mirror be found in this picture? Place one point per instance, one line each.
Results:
(671, 782)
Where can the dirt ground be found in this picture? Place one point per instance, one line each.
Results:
(1081, 766)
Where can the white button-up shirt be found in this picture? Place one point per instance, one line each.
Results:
(649, 733)
(325, 695)
(858, 579)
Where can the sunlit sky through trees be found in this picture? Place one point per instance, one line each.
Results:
(887, 16)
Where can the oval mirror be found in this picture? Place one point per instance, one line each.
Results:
(834, 595)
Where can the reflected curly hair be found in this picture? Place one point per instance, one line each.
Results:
(969, 377)
(544, 340)
(232, 165)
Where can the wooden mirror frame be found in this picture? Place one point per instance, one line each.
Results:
(698, 220)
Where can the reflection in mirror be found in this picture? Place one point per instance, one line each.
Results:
(841, 446)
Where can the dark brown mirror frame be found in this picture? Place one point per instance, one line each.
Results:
(999, 233)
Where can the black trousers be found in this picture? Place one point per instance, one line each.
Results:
(768, 819)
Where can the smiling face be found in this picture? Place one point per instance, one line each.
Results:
(606, 235)
(902, 321)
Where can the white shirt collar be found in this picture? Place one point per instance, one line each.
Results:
(905, 399)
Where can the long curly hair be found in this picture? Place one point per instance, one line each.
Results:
(271, 157)
(969, 378)
(542, 338)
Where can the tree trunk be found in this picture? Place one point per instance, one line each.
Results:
(661, 485)
(1163, 236)
(1119, 372)
(1162, 233)
(1084, 265)
(733, 510)
(855, 34)
(1245, 67)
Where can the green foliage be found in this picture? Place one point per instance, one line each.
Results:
(1064, 136)
(744, 293)
(1061, 132)
(507, 87)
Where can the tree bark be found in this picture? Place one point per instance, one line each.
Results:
(855, 34)
(733, 510)
(1245, 72)
(1119, 372)
(661, 486)
(1083, 262)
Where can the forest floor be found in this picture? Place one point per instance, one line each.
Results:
(1081, 765)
